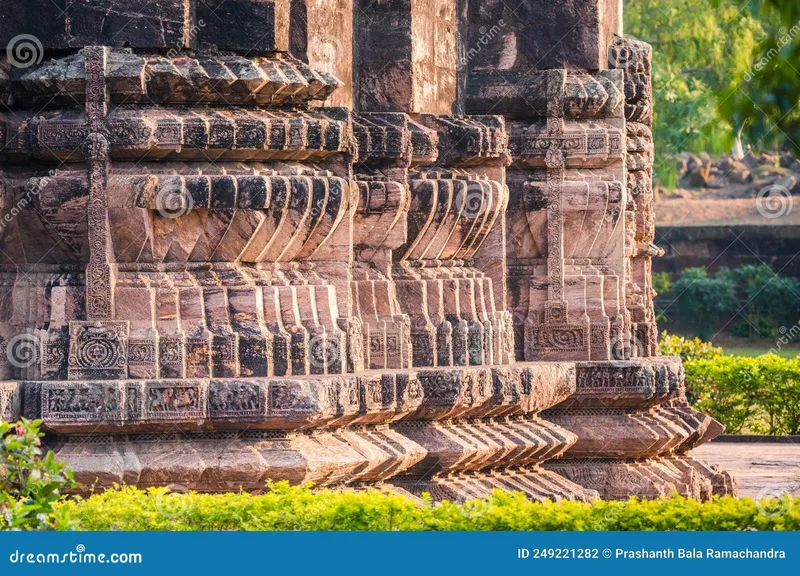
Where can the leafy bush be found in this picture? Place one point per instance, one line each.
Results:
(701, 299)
(755, 301)
(30, 486)
(761, 394)
(299, 508)
(687, 349)
(767, 301)
(662, 283)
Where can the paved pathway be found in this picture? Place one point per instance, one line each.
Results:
(758, 466)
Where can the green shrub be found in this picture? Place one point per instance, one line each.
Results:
(299, 508)
(767, 301)
(755, 300)
(687, 349)
(701, 299)
(30, 486)
(760, 395)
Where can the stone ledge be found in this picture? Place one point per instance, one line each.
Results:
(296, 403)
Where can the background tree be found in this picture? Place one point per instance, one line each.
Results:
(702, 52)
(771, 92)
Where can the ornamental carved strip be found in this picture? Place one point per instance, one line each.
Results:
(555, 160)
(99, 290)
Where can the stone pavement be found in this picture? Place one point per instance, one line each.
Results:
(758, 466)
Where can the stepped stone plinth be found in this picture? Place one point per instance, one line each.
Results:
(355, 243)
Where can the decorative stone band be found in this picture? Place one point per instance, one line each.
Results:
(524, 95)
(207, 79)
(351, 456)
(466, 140)
(634, 433)
(157, 133)
(232, 212)
(382, 137)
(582, 144)
(635, 384)
(128, 406)
(646, 479)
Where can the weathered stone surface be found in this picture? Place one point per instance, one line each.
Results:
(249, 26)
(62, 23)
(540, 35)
(345, 242)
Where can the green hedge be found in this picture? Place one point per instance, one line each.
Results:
(748, 301)
(299, 508)
(688, 349)
(758, 395)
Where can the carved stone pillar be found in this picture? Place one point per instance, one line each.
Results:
(579, 240)
(446, 268)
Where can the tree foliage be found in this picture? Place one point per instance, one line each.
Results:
(721, 69)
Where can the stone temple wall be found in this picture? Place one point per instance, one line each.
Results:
(352, 242)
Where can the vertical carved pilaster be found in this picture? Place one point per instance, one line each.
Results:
(99, 276)
(554, 160)
(634, 57)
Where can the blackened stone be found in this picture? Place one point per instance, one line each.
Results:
(159, 24)
(252, 192)
(223, 192)
(44, 20)
(247, 26)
